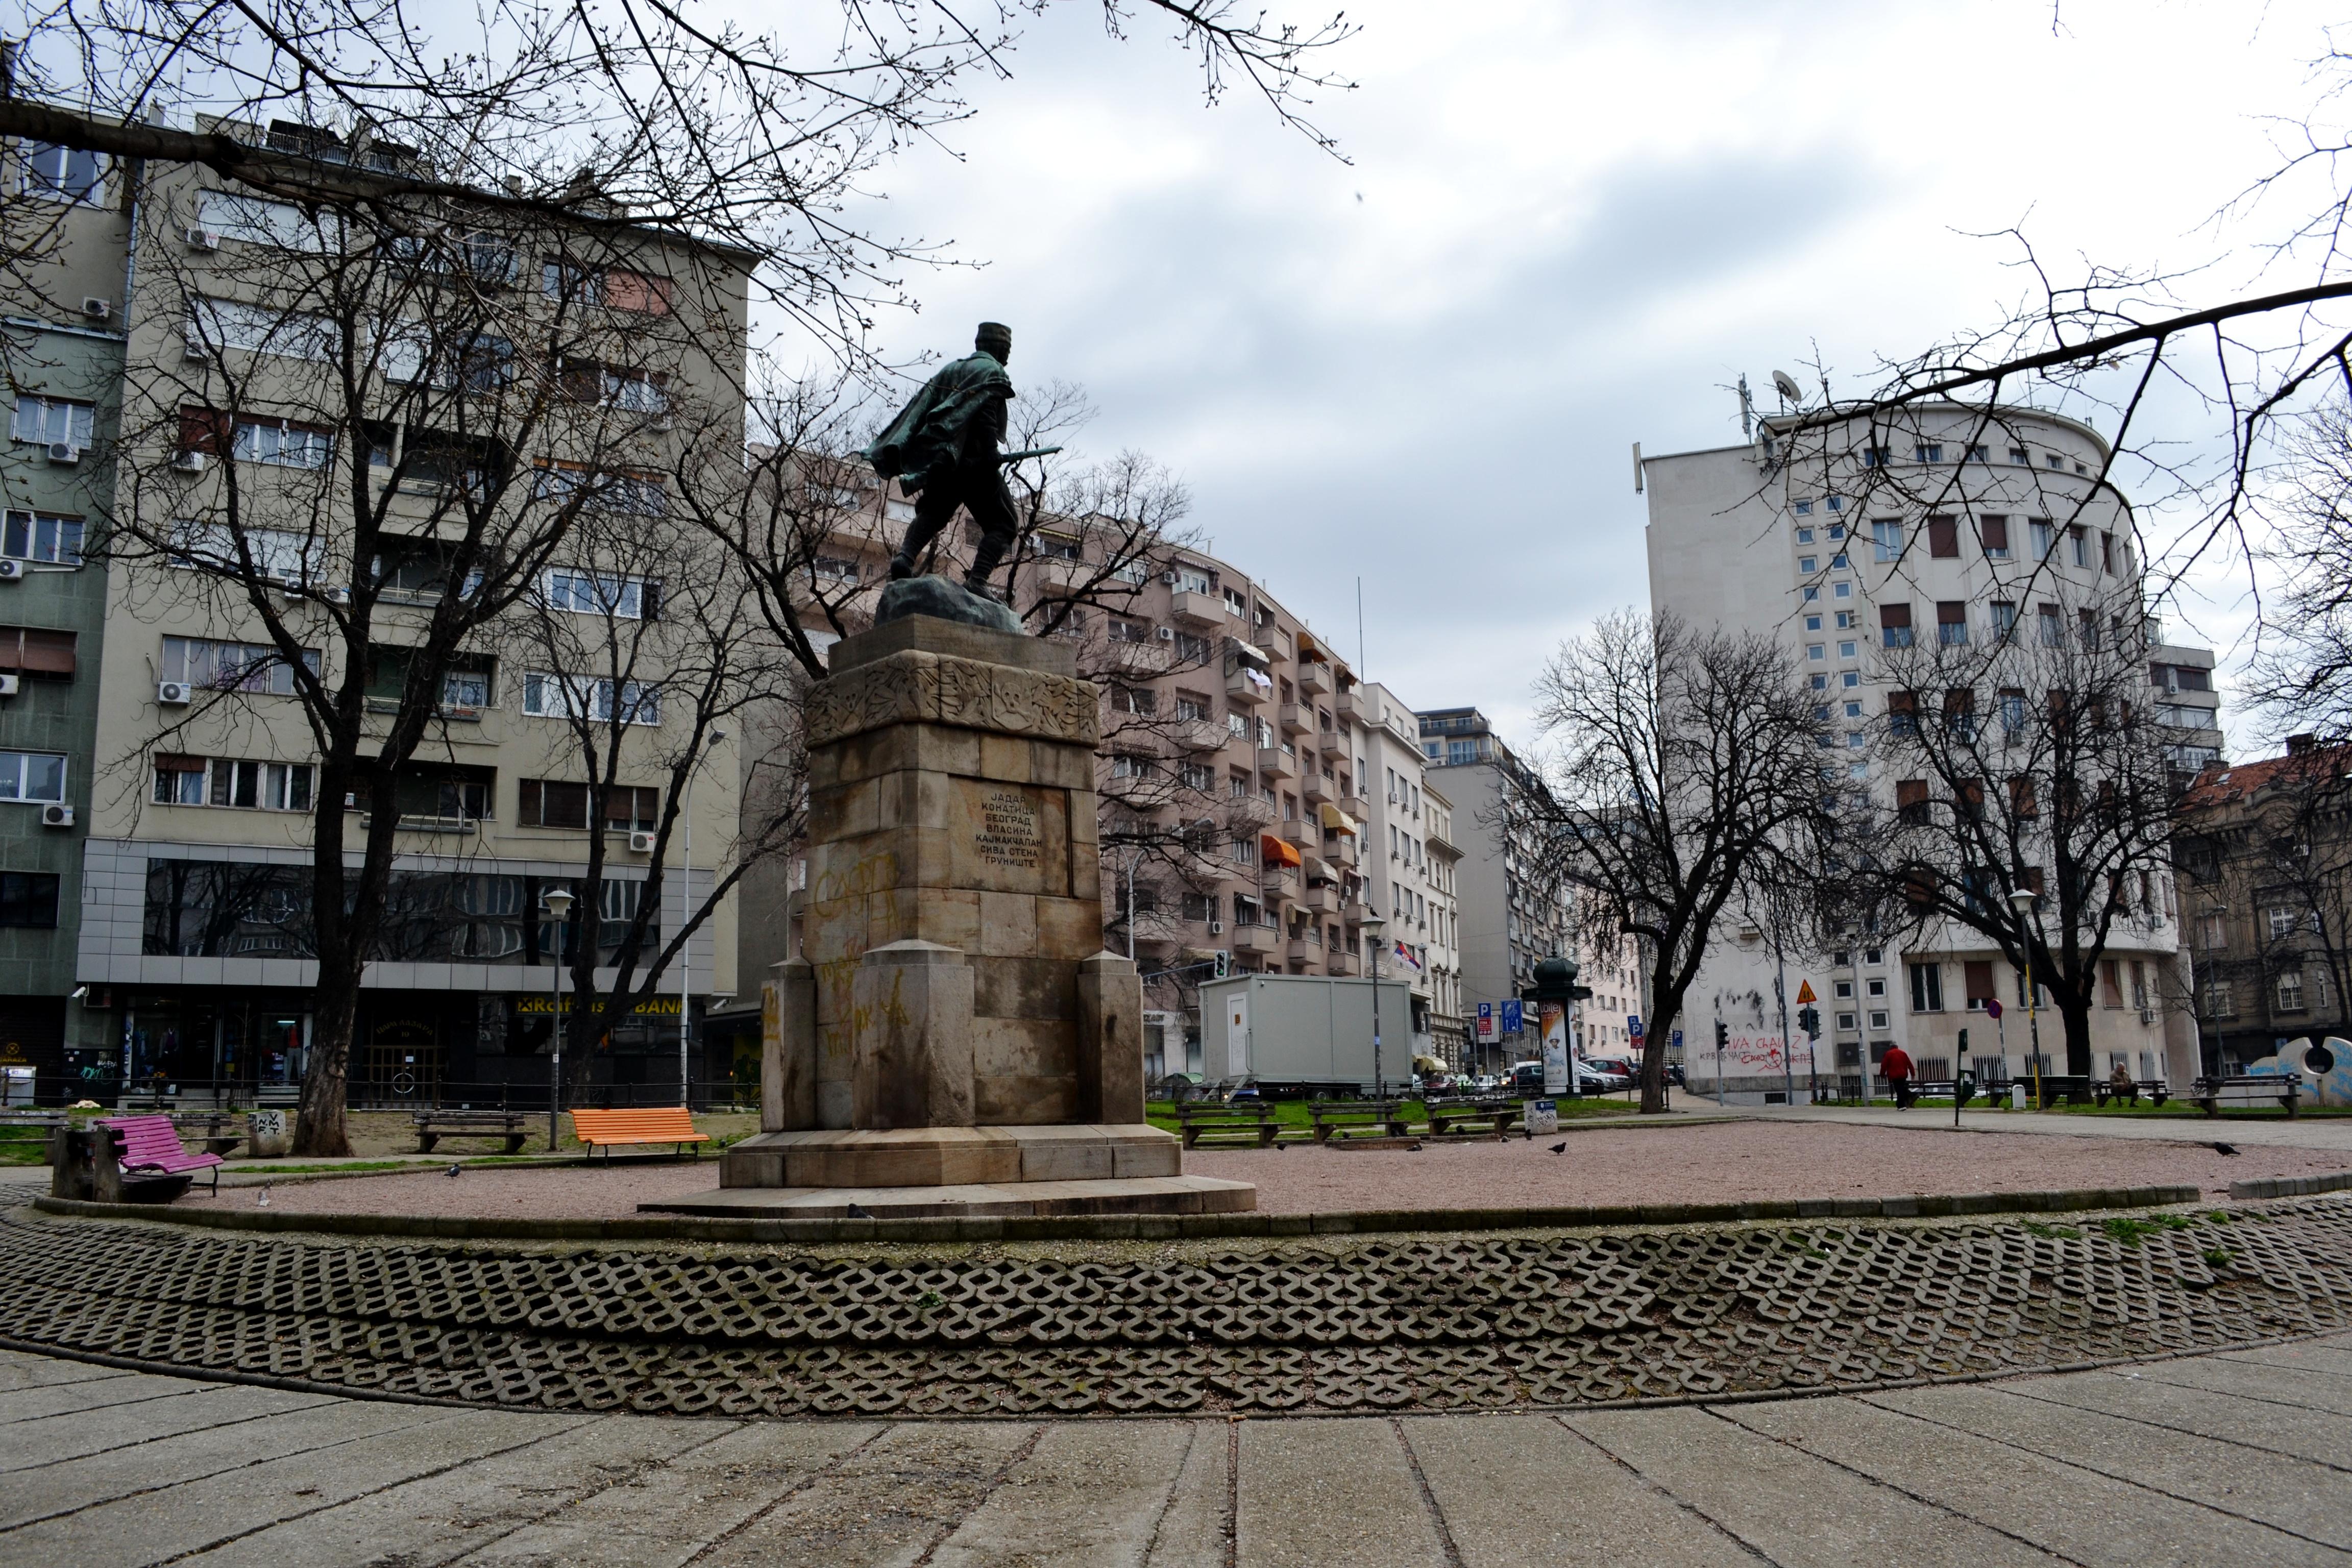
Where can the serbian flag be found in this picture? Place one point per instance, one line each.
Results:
(1406, 954)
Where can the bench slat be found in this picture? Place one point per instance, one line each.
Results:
(667, 1124)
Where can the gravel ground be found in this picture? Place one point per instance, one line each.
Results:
(1719, 1163)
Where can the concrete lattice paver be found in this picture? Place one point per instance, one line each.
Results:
(2197, 1460)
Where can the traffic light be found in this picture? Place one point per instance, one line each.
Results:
(1810, 1020)
(1722, 1036)
(1224, 963)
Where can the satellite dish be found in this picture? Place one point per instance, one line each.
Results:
(1786, 385)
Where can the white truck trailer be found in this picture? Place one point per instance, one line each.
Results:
(1305, 1033)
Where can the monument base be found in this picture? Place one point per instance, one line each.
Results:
(950, 1156)
(1128, 1195)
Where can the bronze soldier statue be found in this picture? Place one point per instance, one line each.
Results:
(942, 451)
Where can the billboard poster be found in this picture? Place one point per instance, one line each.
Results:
(1554, 1019)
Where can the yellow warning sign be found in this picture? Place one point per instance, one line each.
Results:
(1804, 993)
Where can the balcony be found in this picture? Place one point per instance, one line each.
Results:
(1340, 964)
(1305, 835)
(1356, 806)
(1249, 811)
(1142, 659)
(1159, 932)
(1295, 719)
(1277, 763)
(1322, 898)
(1204, 610)
(1200, 735)
(1347, 707)
(1257, 940)
(1279, 884)
(1318, 789)
(1313, 678)
(1300, 951)
(1241, 689)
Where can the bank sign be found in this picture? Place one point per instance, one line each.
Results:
(540, 1007)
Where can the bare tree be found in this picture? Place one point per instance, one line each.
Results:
(2031, 761)
(1684, 770)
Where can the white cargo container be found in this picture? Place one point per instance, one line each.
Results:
(1304, 1031)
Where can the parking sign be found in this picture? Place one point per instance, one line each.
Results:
(1514, 1020)
(1486, 1023)
(1634, 1024)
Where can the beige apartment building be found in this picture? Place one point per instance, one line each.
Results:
(501, 368)
(1411, 865)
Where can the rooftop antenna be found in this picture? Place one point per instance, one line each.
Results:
(1791, 394)
(1746, 410)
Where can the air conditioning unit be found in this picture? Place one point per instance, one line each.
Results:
(8, 684)
(187, 462)
(201, 239)
(96, 308)
(57, 816)
(11, 570)
(2147, 1014)
(336, 596)
(1167, 634)
(65, 453)
(1169, 578)
(1216, 928)
(192, 347)
(172, 693)
(641, 843)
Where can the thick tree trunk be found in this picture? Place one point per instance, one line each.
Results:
(319, 1127)
(2078, 1034)
(1661, 1025)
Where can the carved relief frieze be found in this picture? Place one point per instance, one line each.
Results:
(933, 689)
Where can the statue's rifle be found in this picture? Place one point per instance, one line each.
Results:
(1009, 457)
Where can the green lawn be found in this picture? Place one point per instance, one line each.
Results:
(1295, 1114)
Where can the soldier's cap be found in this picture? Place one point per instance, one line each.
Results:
(994, 332)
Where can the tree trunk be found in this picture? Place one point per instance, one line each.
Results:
(319, 1127)
(1667, 1009)
(2078, 1034)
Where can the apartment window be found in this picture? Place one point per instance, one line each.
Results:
(2022, 803)
(1812, 595)
(216, 324)
(53, 422)
(41, 537)
(1846, 620)
(1976, 453)
(1873, 457)
(2052, 459)
(1842, 591)
(233, 781)
(1961, 713)
(1911, 804)
(1944, 538)
(1845, 991)
(28, 899)
(1927, 452)
(1820, 682)
(606, 594)
(1058, 547)
(231, 666)
(1852, 710)
(1847, 649)
(1197, 776)
(1138, 700)
(1927, 987)
(835, 568)
(1850, 679)
(2290, 992)
(2220, 1001)
(1951, 622)
(1992, 532)
(547, 695)
(1124, 630)
(2054, 630)
(1812, 623)
(2108, 553)
(1808, 563)
(2004, 619)
(1835, 503)
(1895, 625)
(1805, 509)
(1818, 651)
(1837, 562)
(1886, 534)
(2043, 536)
(32, 776)
(282, 443)
(1133, 765)
(2021, 458)
(1192, 649)
(1976, 974)
(559, 803)
(2282, 923)
(36, 652)
(1805, 536)
(2078, 542)
(63, 174)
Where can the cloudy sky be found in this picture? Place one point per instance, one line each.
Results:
(1566, 227)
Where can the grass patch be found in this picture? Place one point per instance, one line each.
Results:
(2218, 1257)
(274, 1169)
(1295, 1115)
(2129, 1231)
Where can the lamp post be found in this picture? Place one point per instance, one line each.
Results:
(558, 904)
(1376, 927)
(686, 943)
(2022, 900)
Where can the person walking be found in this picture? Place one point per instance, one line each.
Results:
(1897, 1067)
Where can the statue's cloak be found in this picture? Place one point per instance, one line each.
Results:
(936, 431)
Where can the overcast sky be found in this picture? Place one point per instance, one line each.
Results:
(1566, 227)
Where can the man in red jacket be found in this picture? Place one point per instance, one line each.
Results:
(1896, 1066)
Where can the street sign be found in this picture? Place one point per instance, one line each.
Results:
(1805, 992)
(1486, 1033)
(1992, 1008)
(1678, 1039)
(1514, 1019)
(1634, 1024)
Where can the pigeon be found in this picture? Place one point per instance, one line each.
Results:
(1559, 1148)
(263, 1201)
(858, 1210)
(2220, 1148)
(454, 1168)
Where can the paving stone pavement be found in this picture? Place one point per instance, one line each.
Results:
(2237, 1457)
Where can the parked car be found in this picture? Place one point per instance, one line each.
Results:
(1486, 1083)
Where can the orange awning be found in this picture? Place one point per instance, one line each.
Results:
(1277, 851)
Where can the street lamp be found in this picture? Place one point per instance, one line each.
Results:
(2023, 901)
(1376, 927)
(558, 905)
(686, 943)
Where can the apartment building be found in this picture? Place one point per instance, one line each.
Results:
(509, 370)
(67, 235)
(1232, 775)
(1413, 868)
(1842, 540)
(1512, 912)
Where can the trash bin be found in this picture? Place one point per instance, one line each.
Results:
(18, 1088)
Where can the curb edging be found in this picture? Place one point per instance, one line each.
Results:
(2291, 1186)
(1148, 1228)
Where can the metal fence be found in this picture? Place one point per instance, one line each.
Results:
(52, 1088)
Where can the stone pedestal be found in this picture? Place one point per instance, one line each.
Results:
(952, 1020)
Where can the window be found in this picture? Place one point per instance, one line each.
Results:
(28, 899)
(1850, 679)
(2220, 1002)
(63, 174)
(834, 568)
(2004, 619)
(1895, 625)
(37, 652)
(276, 555)
(626, 491)
(2021, 458)
(1911, 806)
(1846, 620)
(2022, 803)
(1951, 622)
(1976, 453)
(1960, 714)
(1976, 974)
(1197, 776)
(1837, 562)
(215, 324)
(574, 285)
(1927, 452)
(1927, 987)
(282, 443)
(1993, 533)
(1852, 710)
(1944, 538)
(38, 536)
(2078, 541)
(2212, 930)
(1808, 563)
(625, 290)
(32, 775)
(2054, 630)
(1843, 591)
(1819, 683)
(1058, 547)
(2282, 923)
(1886, 534)
(1836, 503)
(1805, 536)
(553, 696)
(1192, 649)
(53, 421)
(233, 781)
(1804, 509)
(609, 594)
(555, 802)
(1873, 457)
(1812, 623)
(1846, 649)
(231, 666)
(258, 222)
(2045, 537)
(2052, 459)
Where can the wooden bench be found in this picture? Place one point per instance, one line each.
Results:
(1444, 1113)
(1246, 1125)
(1337, 1118)
(661, 1124)
(432, 1126)
(147, 1152)
(2105, 1089)
(2286, 1090)
(221, 1130)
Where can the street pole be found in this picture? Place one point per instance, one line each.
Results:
(685, 953)
(1719, 1058)
(1376, 929)
(2022, 900)
(559, 905)
(1780, 996)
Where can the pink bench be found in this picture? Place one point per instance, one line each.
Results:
(151, 1148)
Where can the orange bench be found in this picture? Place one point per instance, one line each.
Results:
(664, 1124)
